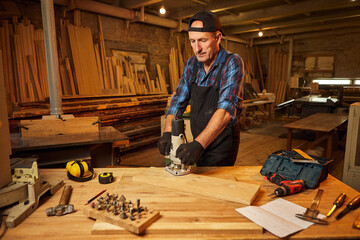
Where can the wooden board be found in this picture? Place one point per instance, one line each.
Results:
(51, 127)
(104, 228)
(83, 55)
(137, 226)
(321, 122)
(181, 208)
(5, 151)
(205, 186)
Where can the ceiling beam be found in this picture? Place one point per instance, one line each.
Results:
(307, 36)
(304, 21)
(137, 3)
(215, 6)
(199, 2)
(272, 13)
(320, 27)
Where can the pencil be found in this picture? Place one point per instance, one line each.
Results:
(92, 199)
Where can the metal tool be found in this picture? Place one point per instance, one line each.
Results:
(311, 213)
(177, 138)
(64, 207)
(337, 203)
(352, 205)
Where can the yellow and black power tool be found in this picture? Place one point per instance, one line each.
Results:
(79, 171)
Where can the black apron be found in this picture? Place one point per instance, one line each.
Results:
(204, 100)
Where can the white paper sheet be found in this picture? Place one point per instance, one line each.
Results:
(278, 217)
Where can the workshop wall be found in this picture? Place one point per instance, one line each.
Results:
(154, 40)
(344, 48)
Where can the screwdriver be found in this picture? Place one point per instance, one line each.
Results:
(337, 203)
(354, 204)
(290, 187)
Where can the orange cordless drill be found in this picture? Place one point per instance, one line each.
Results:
(287, 186)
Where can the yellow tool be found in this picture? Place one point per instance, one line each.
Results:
(303, 154)
(337, 203)
(357, 222)
(79, 171)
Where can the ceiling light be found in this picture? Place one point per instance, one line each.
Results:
(260, 33)
(162, 10)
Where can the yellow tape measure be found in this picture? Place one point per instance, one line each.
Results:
(106, 177)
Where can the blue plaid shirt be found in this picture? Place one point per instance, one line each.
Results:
(231, 84)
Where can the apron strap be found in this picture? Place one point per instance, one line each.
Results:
(218, 76)
(194, 74)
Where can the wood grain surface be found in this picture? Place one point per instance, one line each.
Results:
(321, 122)
(200, 217)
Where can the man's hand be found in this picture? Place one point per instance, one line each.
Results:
(164, 143)
(189, 153)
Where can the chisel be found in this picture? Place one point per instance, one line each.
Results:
(354, 204)
(337, 203)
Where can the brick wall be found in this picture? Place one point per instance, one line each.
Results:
(138, 37)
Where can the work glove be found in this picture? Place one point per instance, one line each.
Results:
(189, 153)
(164, 143)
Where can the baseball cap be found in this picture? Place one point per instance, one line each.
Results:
(211, 22)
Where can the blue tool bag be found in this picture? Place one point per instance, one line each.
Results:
(283, 162)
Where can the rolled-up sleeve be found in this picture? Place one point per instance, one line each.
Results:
(232, 85)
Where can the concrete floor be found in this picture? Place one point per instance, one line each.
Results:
(256, 144)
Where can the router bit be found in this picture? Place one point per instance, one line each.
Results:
(337, 203)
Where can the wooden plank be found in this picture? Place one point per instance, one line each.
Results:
(34, 78)
(24, 97)
(53, 127)
(98, 64)
(233, 191)
(259, 66)
(137, 226)
(70, 76)
(161, 79)
(84, 60)
(180, 58)
(177, 208)
(103, 55)
(5, 176)
(322, 122)
(4, 59)
(183, 228)
(42, 70)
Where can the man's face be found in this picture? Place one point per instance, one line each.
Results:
(204, 44)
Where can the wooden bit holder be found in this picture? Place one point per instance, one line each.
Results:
(136, 225)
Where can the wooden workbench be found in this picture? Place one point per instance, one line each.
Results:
(60, 148)
(323, 124)
(177, 208)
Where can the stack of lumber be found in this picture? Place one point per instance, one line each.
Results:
(178, 58)
(24, 60)
(250, 76)
(136, 116)
(84, 67)
(277, 74)
(118, 75)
